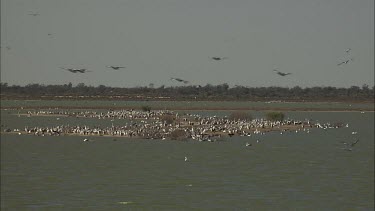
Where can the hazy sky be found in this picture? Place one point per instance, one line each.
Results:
(159, 39)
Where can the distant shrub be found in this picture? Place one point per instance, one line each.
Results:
(178, 134)
(146, 108)
(167, 118)
(275, 116)
(240, 115)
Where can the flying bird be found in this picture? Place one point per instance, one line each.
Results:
(180, 80)
(115, 67)
(354, 143)
(348, 147)
(281, 73)
(345, 62)
(75, 70)
(34, 14)
(219, 58)
(348, 50)
(6, 47)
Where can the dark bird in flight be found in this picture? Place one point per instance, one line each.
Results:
(345, 62)
(6, 47)
(34, 14)
(180, 80)
(348, 147)
(281, 73)
(354, 143)
(115, 67)
(219, 58)
(76, 70)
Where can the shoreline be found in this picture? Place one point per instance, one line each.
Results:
(114, 98)
(190, 109)
(215, 136)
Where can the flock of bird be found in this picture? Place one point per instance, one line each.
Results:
(83, 70)
(346, 61)
(215, 58)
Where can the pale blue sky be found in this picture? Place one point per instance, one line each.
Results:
(159, 39)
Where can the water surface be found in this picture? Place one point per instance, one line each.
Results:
(293, 171)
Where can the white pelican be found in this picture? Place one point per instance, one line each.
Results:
(186, 159)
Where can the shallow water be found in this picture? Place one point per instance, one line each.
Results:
(293, 171)
(186, 104)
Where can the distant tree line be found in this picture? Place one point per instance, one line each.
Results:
(207, 92)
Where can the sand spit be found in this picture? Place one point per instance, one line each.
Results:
(285, 109)
(165, 124)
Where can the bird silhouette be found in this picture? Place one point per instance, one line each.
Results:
(34, 14)
(180, 80)
(115, 67)
(281, 73)
(76, 70)
(219, 58)
(345, 62)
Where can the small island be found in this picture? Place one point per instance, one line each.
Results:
(170, 125)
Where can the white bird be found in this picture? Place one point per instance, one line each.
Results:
(186, 159)
(247, 144)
